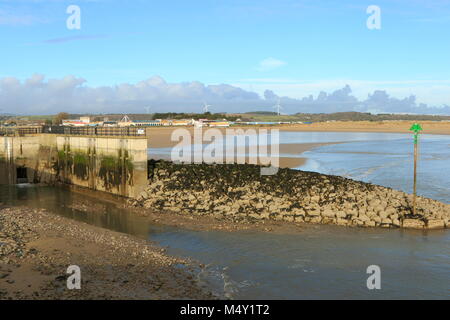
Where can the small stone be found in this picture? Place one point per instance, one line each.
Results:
(143, 195)
(313, 213)
(435, 224)
(396, 222)
(341, 215)
(370, 223)
(328, 213)
(315, 220)
(341, 222)
(413, 224)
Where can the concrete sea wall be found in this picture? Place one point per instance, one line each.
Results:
(239, 192)
(116, 165)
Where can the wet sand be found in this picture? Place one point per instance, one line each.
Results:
(37, 247)
(429, 127)
(161, 137)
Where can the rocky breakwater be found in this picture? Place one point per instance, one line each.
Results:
(239, 192)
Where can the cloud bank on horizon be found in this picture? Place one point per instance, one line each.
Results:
(36, 95)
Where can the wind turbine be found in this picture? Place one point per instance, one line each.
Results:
(206, 107)
(278, 107)
(147, 109)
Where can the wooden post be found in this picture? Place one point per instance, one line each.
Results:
(416, 128)
(415, 174)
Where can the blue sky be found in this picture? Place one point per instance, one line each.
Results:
(294, 48)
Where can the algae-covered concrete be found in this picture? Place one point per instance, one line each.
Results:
(116, 165)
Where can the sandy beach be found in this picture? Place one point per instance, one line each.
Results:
(429, 127)
(161, 137)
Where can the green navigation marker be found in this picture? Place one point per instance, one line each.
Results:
(416, 128)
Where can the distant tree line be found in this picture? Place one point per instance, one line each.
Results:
(361, 116)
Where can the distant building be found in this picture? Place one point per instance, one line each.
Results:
(73, 123)
(219, 124)
(181, 122)
(86, 120)
(82, 122)
(146, 123)
(110, 124)
(199, 123)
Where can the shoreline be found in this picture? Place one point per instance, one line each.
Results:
(38, 247)
(294, 149)
(159, 137)
(203, 222)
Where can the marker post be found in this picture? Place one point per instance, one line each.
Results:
(416, 128)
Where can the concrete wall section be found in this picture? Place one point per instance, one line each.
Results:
(116, 165)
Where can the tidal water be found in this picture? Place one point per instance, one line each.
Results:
(318, 262)
(389, 163)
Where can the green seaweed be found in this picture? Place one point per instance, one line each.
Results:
(116, 171)
(80, 165)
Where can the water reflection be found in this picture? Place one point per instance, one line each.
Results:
(75, 206)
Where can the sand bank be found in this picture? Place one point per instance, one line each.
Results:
(36, 248)
(429, 127)
(161, 137)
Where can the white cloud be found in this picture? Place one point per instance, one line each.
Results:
(37, 95)
(269, 64)
(433, 92)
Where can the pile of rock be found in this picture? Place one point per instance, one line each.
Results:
(239, 192)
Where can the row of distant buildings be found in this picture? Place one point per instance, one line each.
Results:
(127, 122)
